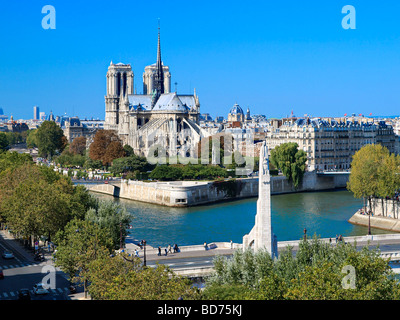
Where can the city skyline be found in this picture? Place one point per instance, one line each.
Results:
(272, 58)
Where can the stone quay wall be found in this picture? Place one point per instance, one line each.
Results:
(192, 193)
(385, 215)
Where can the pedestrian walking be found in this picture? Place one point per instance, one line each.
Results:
(166, 252)
(205, 245)
(231, 244)
(169, 248)
(159, 251)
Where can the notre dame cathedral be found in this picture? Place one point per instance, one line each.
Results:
(156, 117)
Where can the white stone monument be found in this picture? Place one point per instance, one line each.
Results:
(261, 236)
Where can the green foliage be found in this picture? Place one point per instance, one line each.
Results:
(315, 272)
(120, 278)
(291, 161)
(187, 172)
(37, 201)
(113, 217)
(50, 139)
(92, 164)
(78, 244)
(128, 150)
(3, 141)
(11, 160)
(130, 164)
(31, 141)
(16, 137)
(68, 159)
(374, 173)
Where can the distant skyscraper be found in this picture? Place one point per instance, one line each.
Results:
(36, 114)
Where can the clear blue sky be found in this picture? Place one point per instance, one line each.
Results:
(271, 56)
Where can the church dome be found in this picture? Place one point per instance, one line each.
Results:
(236, 109)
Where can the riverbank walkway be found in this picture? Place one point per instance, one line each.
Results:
(386, 242)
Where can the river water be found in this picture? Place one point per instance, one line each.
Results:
(322, 213)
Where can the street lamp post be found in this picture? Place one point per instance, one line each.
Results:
(369, 223)
(120, 235)
(144, 252)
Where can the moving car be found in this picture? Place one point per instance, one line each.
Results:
(1, 274)
(39, 289)
(7, 254)
(24, 294)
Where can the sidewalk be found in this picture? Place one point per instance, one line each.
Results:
(16, 245)
(213, 249)
(188, 254)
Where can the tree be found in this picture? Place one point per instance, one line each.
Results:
(128, 150)
(106, 147)
(3, 141)
(116, 278)
(36, 201)
(112, 217)
(114, 151)
(130, 164)
(11, 160)
(31, 141)
(68, 159)
(78, 244)
(50, 139)
(290, 160)
(78, 146)
(389, 177)
(166, 173)
(315, 272)
(373, 173)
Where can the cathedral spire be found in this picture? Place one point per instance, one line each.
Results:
(159, 76)
(159, 61)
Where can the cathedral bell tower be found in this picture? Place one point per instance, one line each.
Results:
(119, 85)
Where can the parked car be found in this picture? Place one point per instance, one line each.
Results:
(39, 289)
(24, 294)
(7, 254)
(1, 274)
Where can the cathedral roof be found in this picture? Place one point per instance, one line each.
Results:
(166, 102)
(136, 100)
(170, 102)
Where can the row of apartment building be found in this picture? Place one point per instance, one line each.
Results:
(329, 143)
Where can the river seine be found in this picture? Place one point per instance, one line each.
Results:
(322, 213)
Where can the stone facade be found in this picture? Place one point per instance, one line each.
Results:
(330, 144)
(167, 121)
(193, 193)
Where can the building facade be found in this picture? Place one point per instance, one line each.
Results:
(331, 143)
